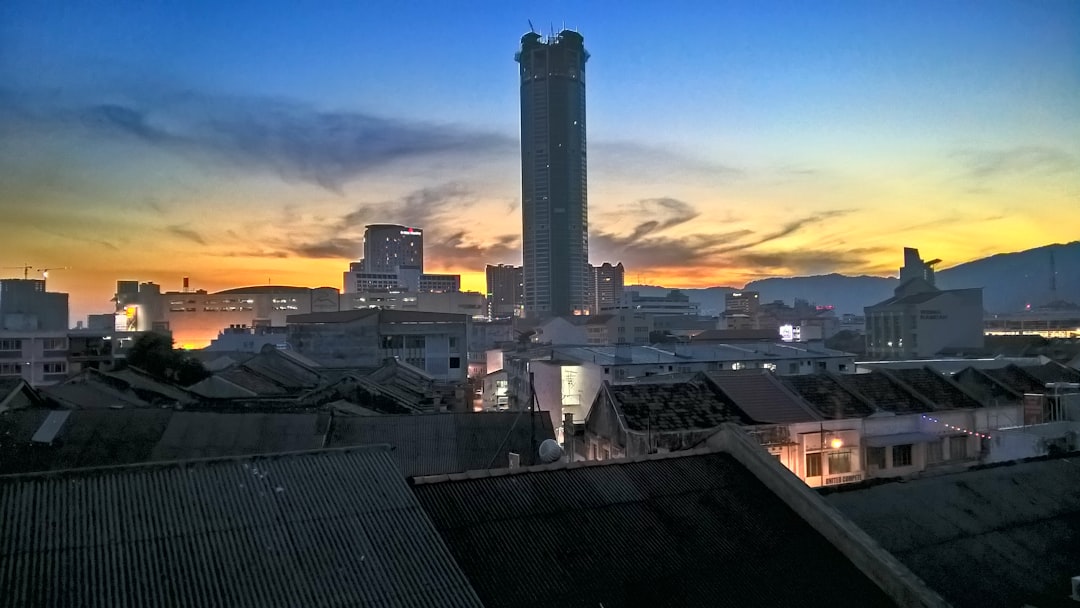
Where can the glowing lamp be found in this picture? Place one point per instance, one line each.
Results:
(836, 443)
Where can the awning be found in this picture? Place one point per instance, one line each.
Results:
(881, 441)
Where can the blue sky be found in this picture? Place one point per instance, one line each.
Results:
(796, 137)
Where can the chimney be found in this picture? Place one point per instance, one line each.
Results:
(187, 284)
(568, 434)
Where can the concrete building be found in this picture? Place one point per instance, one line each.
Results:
(358, 280)
(554, 200)
(25, 305)
(505, 291)
(389, 247)
(436, 343)
(606, 286)
(42, 358)
(742, 302)
(469, 303)
(195, 318)
(674, 302)
(920, 321)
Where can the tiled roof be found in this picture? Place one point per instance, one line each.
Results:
(999, 536)
(935, 387)
(827, 396)
(664, 407)
(885, 393)
(289, 370)
(763, 398)
(692, 530)
(336, 527)
(432, 444)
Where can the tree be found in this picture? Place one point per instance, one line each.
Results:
(154, 353)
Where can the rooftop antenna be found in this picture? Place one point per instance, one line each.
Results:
(531, 28)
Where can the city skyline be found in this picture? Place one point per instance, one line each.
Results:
(251, 144)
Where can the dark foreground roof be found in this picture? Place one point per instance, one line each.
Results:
(999, 536)
(330, 528)
(671, 407)
(692, 530)
(432, 444)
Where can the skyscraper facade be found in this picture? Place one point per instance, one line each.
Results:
(504, 291)
(388, 247)
(607, 284)
(554, 207)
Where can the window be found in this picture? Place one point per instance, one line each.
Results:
(822, 365)
(10, 369)
(414, 342)
(11, 345)
(934, 452)
(453, 342)
(391, 342)
(813, 464)
(840, 462)
(901, 455)
(56, 368)
(54, 343)
(455, 362)
(958, 447)
(793, 368)
(875, 457)
(843, 367)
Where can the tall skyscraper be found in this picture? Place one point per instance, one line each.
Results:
(554, 207)
(389, 247)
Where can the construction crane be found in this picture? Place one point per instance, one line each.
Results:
(45, 271)
(25, 268)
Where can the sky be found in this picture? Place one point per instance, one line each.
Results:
(246, 143)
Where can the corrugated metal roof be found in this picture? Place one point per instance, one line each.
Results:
(828, 397)
(885, 392)
(433, 444)
(692, 530)
(934, 387)
(763, 398)
(677, 407)
(328, 528)
(1000, 536)
(207, 435)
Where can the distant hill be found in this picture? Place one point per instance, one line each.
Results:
(1009, 281)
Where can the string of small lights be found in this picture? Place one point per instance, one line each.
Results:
(956, 428)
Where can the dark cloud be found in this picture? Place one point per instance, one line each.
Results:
(328, 248)
(787, 229)
(293, 140)
(457, 251)
(661, 251)
(807, 261)
(981, 165)
(185, 233)
(418, 208)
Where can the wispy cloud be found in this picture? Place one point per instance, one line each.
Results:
(186, 233)
(291, 139)
(457, 250)
(981, 165)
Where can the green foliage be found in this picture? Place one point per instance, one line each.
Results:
(154, 354)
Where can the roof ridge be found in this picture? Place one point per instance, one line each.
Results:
(559, 466)
(908, 388)
(802, 403)
(163, 464)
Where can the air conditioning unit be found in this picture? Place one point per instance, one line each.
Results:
(1076, 588)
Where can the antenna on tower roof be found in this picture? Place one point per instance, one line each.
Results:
(531, 28)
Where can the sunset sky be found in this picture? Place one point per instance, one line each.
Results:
(244, 142)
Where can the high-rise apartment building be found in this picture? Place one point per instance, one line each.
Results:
(389, 247)
(505, 291)
(554, 208)
(606, 286)
(742, 303)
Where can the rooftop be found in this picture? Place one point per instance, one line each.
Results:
(664, 407)
(763, 397)
(828, 396)
(696, 529)
(334, 527)
(998, 536)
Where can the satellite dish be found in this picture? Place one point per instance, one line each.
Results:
(550, 451)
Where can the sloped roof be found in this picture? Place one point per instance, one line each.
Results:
(433, 444)
(935, 387)
(827, 396)
(692, 530)
(1052, 372)
(1016, 379)
(763, 398)
(336, 527)
(218, 387)
(999, 536)
(289, 370)
(207, 435)
(885, 393)
(671, 407)
(89, 437)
